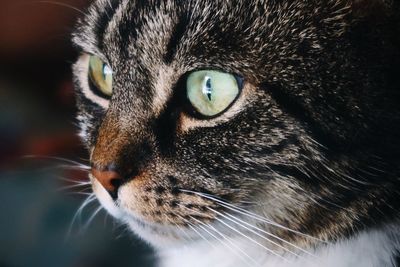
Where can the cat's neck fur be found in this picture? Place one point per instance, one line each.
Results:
(376, 247)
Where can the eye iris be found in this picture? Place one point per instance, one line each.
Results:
(211, 92)
(101, 76)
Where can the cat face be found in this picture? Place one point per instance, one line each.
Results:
(206, 112)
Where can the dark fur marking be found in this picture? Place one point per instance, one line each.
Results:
(178, 32)
(171, 214)
(203, 208)
(190, 206)
(148, 189)
(103, 21)
(174, 203)
(159, 201)
(157, 213)
(160, 190)
(175, 191)
(173, 181)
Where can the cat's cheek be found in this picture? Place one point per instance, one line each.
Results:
(105, 199)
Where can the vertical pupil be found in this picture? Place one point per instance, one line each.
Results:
(106, 70)
(103, 71)
(207, 90)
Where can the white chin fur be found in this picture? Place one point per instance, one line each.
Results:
(105, 199)
(373, 248)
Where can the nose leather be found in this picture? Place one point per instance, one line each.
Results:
(110, 180)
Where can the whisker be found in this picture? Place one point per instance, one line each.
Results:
(233, 244)
(91, 218)
(196, 231)
(67, 167)
(73, 186)
(78, 193)
(257, 217)
(61, 4)
(86, 202)
(237, 231)
(254, 232)
(75, 163)
(188, 237)
(270, 234)
(123, 230)
(252, 240)
(224, 243)
(72, 181)
(80, 210)
(249, 214)
(105, 220)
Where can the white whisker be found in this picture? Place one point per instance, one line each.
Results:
(249, 214)
(91, 218)
(87, 201)
(61, 4)
(234, 250)
(56, 159)
(67, 167)
(72, 181)
(188, 237)
(254, 232)
(252, 240)
(196, 231)
(73, 186)
(267, 233)
(79, 193)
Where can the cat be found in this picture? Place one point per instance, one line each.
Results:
(246, 132)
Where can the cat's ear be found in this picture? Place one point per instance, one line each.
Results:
(364, 9)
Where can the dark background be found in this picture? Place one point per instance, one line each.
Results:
(37, 118)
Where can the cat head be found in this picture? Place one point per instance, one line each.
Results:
(208, 112)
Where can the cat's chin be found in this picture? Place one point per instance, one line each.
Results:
(157, 235)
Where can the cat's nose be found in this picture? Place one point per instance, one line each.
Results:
(109, 178)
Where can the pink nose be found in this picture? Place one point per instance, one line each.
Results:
(110, 180)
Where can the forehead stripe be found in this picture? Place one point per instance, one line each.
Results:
(106, 14)
(177, 34)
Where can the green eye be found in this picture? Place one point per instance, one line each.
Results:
(211, 92)
(101, 75)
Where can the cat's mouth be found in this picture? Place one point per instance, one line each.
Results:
(192, 216)
(161, 222)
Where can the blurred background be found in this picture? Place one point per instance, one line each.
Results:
(39, 197)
